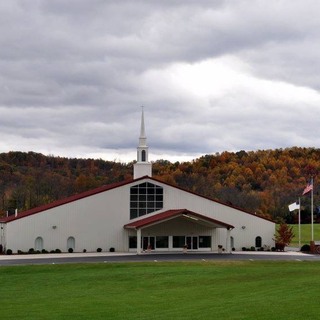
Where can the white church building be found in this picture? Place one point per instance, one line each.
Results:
(138, 215)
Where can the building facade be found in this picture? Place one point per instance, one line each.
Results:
(136, 215)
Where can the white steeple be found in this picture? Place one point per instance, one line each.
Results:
(142, 167)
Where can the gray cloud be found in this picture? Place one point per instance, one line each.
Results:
(213, 76)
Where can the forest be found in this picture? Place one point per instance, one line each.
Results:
(263, 182)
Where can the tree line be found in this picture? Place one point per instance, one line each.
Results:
(264, 182)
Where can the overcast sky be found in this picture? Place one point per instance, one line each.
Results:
(213, 76)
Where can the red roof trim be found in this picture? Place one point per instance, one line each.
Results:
(66, 200)
(106, 188)
(210, 199)
(167, 215)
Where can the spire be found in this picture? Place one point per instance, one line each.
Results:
(143, 167)
(142, 138)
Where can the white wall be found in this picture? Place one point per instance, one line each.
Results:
(98, 220)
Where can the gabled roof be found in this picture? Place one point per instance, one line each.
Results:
(104, 189)
(170, 214)
(66, 200)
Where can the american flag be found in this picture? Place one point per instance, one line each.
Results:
(307, 189)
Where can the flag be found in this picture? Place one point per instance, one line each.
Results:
(308, 188)
(294, 206)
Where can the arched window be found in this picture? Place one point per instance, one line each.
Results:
(143, 155)
(231, 242)
(38, 244)
(71, 243)
(258, 242)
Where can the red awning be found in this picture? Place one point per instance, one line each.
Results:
(171, 214)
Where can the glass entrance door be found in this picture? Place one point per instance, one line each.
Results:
(192, 242)
(146, 241)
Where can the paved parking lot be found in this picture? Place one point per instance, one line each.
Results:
(104, 257)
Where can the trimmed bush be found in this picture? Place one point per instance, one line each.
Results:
(31, 250)
(9, 251)
(44, 251)
(99, 250)
(57, 251)
(244, 248)
(112, 249)
(84, 250)
(70, 250)
(305, 248)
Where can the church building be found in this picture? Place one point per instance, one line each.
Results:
(142, 214)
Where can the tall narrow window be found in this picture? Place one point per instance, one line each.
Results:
(71, 243)
(258, 242)
(143, 155)
(38, 244)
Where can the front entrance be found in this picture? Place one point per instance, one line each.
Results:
(146, 241)
(192, 242)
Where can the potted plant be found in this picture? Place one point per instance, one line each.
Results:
(220, 248)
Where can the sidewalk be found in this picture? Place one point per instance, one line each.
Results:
(63, 255)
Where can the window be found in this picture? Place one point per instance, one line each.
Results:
(162, 242)
(145, 198)
(38, 244)
(204, 242)
(258, 242)
(132, 242)
(178, 241)
(71, 243)
(143, 155)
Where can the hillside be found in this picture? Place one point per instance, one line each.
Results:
(263, 181)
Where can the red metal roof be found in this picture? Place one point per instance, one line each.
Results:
(170, 214)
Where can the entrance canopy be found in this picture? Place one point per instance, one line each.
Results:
(172, 214)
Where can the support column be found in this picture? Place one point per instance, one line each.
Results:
(228, 250)
(138, 241)
(213, 240)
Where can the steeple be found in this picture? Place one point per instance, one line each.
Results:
(143, 167)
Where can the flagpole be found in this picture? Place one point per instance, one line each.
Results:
(299, 219)
(312, 210)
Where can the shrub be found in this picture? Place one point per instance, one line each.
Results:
(31, 250)
(99, 250)
(52, 251)
(70, 250)
(112, 249)
(44, 251)
(244, 248)
(20, 252)
(84, 250)
(305, 248)
(9, 251)
(233, 249)
(57, 251)
(253, 249)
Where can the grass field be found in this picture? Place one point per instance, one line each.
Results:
(305, 233)
(193, 290)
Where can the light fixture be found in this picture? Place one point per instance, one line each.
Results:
(243, 227)
(54, 227)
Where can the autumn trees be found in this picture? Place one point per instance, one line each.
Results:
(263, 181)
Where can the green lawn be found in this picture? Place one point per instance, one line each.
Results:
(193, 290)
(305, 233)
